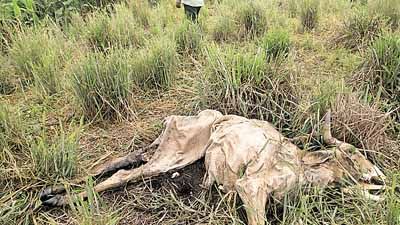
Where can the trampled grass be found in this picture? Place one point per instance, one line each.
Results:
(126, 66)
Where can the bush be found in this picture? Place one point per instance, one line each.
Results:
(38, 55)
(188, 38)
(276, 44)
(57, 157)
(309, 14)
(101, 84)
(251, 19)
(155, 66)
(245, 84)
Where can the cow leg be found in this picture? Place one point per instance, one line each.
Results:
(254, 197)
(118, 163)
(118, 179)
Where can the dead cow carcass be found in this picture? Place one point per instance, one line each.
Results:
(246, 156)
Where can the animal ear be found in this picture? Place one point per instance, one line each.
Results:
(317, 157)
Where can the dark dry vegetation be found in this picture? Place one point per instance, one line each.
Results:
(81, 83)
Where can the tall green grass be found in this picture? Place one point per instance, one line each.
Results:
(12, 129)
(56, 157)
(155, 65)
(390, 9)
(292, 8)
(7, 76)
(103, 31)
(251, 18)
(245, 84)
(224, 28)
(38, 55)
(360, 29)
(276, 44)
(188, 38)
(329, 206)
(239, 20)
(309, 14)
(101, 84)
(142, 12)
(126, 28)
(14, 143)
(383, 67)
(92, 210)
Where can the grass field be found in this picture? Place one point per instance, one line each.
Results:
(77, 92)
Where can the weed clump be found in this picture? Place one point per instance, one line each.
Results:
(224, 28)
(276, 44)
(57, 158)
(188, 38)
(309, 14)
(155, 66)
(101, 84)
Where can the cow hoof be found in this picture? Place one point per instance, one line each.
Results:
(57, 200)
(46, 194)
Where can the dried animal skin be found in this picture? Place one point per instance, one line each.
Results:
(246, 156)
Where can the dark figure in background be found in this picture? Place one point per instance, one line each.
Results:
(192, 8)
